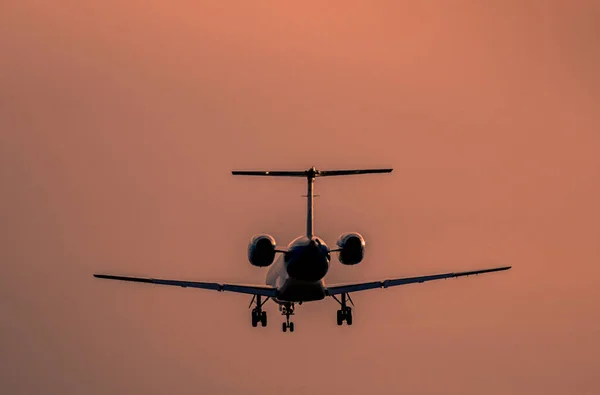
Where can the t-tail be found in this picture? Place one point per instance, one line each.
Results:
(310, 176)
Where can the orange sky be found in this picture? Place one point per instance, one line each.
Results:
(120, 125)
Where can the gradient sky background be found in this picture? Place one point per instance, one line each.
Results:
(120, 123)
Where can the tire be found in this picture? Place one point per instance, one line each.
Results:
(340, 318)
(284, 327)
(263, 319)
(349, 317)
(254, 320)
(291, 326)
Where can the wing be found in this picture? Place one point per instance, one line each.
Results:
(262, 290)
(346, 288)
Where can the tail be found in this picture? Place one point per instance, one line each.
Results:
(310, 175)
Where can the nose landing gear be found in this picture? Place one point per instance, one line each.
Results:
(287, 310)
(345, 313)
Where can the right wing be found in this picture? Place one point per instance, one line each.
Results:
(263, 290)
(347, 288)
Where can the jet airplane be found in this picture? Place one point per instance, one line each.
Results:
(298, 273)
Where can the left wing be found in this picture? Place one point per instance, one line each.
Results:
(263, 290)
(347, 288)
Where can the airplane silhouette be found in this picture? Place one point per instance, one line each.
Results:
(298, 274)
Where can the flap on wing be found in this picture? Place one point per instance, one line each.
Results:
(355, 287)
(262, 290)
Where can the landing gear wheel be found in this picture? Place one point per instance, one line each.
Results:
(258, 315)
(284, 327)
(291, 326)
(254, 319)
(263, 319)
(345, 313)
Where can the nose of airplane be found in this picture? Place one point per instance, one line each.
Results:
(311, 265)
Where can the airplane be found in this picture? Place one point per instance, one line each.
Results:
(298, 273)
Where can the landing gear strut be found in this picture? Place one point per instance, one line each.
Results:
(345, 313)
(287, 310)
(258, 315)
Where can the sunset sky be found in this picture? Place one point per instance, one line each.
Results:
(120, 122)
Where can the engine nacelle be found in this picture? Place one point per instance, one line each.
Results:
(261, 250)
(352, 248)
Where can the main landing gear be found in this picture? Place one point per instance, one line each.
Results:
(258, 315)
(345, 313)
(287, 309)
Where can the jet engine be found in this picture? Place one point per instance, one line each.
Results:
(261, 250)
(352, 248)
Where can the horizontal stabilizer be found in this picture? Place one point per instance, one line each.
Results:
(327, 173)
(312, 172)
(277, 173)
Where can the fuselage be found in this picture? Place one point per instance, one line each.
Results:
(299, 273)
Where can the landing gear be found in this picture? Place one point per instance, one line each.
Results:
(345, 313)
(258, 315)
(287, 309)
